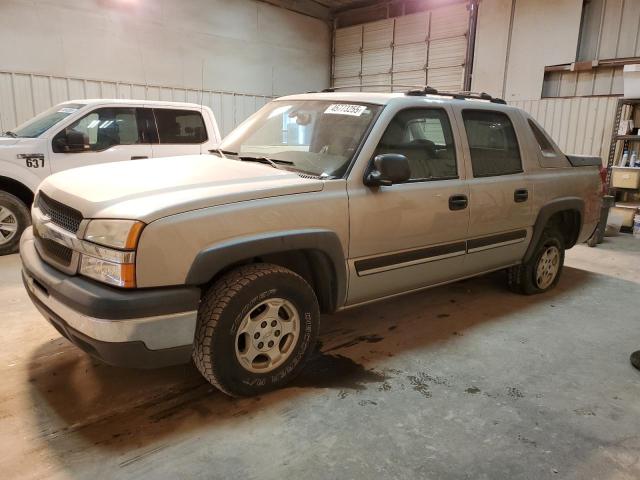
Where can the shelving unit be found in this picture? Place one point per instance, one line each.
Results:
(626, 198)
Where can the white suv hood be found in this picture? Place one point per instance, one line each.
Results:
(150, 189)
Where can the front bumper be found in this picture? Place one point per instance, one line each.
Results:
(131, 328)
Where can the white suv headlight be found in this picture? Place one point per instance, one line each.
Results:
(122, 234)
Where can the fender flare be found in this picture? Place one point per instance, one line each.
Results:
(213, 259)
(546, 212)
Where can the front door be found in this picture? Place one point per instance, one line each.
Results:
(410, 235)
(111, 134)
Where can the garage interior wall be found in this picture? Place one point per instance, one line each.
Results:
(418, 49)
(240, 53)
(515, 41)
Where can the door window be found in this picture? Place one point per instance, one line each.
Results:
(424, 137)
(492, 143)
(180, 126)
(104, 128)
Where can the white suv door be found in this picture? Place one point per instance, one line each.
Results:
(105, 134)
(180, 132)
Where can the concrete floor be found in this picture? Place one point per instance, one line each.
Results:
(464, 381)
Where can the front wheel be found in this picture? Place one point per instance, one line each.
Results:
(14, 218)
(542, 272)
(257, 326)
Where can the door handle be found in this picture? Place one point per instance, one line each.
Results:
(139, 157)
(458, 202)
(521, 195)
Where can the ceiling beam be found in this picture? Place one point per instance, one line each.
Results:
(310, 8)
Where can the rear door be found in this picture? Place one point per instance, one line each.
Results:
(500, 192)
(180, 132)
(112, 134)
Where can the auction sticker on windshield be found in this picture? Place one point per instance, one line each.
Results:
(67, 110)
(346, 109)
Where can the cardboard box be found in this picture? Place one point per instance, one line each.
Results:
(625, 177)
(631, 75)
(627, 211)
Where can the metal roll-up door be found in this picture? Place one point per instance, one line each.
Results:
(410, 52)
(448, 47)
(425, 48)
(377, 54)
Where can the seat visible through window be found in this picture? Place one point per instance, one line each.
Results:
(424, 137)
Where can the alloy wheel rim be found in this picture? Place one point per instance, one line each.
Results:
(267, 335)
(548, 267)
(8, 225)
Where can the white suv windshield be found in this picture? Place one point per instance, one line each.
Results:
(41, 123)
(311, 136)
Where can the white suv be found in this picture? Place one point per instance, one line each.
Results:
(85, 132)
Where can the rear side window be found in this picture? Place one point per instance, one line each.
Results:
(492, 142)
(543, 142)
(180, 126)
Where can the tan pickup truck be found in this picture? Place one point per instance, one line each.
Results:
(317, 203)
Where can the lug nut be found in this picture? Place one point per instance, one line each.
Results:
(257, 335)
(260, 345)
(271, 344)
(274, 323)
(263, 324)
(277, 333)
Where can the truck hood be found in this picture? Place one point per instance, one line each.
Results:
(22, 144)
(150, 189)
(6, 141)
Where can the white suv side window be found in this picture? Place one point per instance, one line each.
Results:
(105, 128)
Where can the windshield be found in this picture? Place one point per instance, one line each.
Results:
(41, 123)
(311, 136)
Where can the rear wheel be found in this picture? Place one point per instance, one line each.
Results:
(256, 328)
(542, 272)
(14, 218)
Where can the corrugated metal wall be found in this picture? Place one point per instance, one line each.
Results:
(426, 48)
(610, 29)
(597, 81)
(24, 95)
(578, 125)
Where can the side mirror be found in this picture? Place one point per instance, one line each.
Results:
(71, 141)
(388, 168)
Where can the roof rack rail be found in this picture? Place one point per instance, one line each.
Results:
(421, 90)
(373, 85)
(426, 90)
(456, 95)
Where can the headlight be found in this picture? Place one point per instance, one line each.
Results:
(108, 265)
(122, 234)
(117, 274)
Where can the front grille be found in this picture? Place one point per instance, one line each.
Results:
(55, 251)
(60, 214)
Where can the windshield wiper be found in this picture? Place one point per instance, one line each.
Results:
(271, 161)
(11, 134)
(222, 153)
